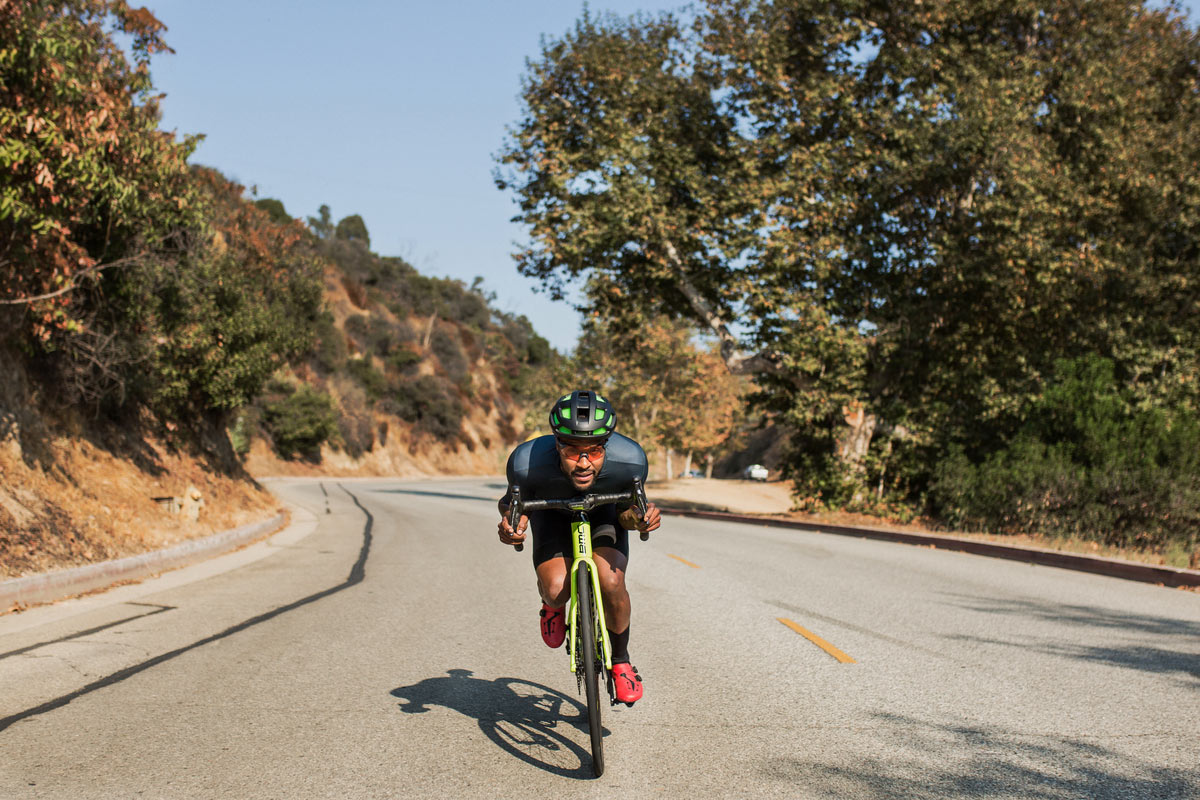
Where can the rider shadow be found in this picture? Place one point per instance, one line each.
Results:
(521, 717)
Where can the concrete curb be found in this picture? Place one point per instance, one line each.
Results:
(1112, 567)
(52, 586)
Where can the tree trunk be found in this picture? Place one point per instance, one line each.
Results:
(687, 463)
(670, 474)
(852, 446)
(708, 465)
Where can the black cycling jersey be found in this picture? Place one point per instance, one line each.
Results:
(536, 468)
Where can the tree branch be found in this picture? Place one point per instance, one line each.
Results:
(72, 282)
(737, 360)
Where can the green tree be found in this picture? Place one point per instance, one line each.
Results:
(322, 224)
(353, 229)
(629, 171)
(90, 181)
(275, 210)
(990, 186)
(242, 298)
(909, 209)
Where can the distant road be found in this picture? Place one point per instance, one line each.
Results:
(393, 652)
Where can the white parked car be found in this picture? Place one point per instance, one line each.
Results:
(755, 472)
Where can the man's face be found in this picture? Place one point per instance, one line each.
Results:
(581, 461)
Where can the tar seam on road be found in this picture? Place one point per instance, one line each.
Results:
(90, 631)
(818, 641)
(357, 572)
(684, 561)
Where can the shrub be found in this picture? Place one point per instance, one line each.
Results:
(355, 425)
(432, 405)
(368, 377)
(381, 336)
(445, 345)
(1087, 463)
(241, 434)
(330, 349)
(403, 359)
(300, 422)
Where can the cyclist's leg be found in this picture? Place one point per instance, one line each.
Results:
(611, 564)
(611, 552)
(610, 544)
(551, 533)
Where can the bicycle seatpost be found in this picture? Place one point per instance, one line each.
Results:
(639, 498)
(514, 511)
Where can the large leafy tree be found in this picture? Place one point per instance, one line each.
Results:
(909, 208)
(88, 178)
(134, 280)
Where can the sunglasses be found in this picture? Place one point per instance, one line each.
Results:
(574, 452)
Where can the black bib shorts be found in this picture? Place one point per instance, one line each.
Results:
(551, 529)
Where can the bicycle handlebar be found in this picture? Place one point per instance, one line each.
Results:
(586, 502)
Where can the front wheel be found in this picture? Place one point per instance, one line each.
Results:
(586, 631)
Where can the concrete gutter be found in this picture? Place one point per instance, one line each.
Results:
(51, 586)
(1112, 567)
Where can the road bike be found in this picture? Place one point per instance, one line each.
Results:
(588, 647)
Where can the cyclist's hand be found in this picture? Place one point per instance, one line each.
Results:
(651, 521)
(507, 535)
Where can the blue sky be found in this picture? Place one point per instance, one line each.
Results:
(390, 110)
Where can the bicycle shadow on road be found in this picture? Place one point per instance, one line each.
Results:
(527, 720)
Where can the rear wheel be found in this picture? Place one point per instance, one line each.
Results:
(586, 630)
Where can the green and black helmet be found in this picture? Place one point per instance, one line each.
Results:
(583, 415)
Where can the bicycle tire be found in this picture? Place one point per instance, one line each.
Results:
(591, 671)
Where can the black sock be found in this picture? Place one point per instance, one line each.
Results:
(620, 646)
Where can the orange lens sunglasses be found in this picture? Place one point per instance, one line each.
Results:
(573, 452)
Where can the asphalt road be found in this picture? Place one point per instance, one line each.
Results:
(389, 648)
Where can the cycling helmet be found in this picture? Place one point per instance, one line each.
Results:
(583, 415)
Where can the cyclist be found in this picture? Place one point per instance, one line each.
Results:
(582, 454)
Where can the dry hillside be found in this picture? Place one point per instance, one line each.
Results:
(74, 489)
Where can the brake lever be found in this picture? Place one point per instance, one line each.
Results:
(514, 512)
(639, 499)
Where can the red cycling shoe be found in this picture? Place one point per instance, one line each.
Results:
(627, 683)
(554, 625)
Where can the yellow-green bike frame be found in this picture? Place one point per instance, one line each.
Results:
(581, 548)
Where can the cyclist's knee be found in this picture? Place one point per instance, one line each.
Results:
(554, 590)
(612, 581)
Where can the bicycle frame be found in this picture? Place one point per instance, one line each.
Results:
(581, 547)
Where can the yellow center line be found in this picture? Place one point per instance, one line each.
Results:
(685, 561)
(818, 641)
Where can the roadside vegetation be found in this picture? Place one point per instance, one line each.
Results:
(931, 260)
(955, 246)
(161, 320)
